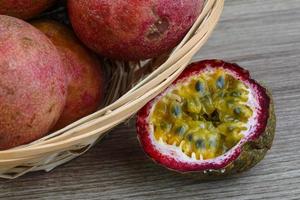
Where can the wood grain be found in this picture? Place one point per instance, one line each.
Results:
(263, 36)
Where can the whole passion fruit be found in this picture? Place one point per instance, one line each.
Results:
(85, 77)
(32, 83)
(213, 119)
(24, 9)
(132, 30)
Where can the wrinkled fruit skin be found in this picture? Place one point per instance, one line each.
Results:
(243, 158)
(132, 30)
(83, 70)
(24, 9)
(32, 83)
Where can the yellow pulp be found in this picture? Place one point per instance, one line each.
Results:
(204, 117)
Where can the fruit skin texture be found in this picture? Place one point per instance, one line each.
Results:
(24, 9)
(85, 77)
(244, 157)
(132, 30)
(32, 83)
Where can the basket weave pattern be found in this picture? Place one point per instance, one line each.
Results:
(134, 84)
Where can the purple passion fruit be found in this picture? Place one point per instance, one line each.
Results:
(213, 119)
(32, 83)
(85, 77)
(132, 30)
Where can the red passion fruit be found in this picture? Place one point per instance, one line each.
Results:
(24, 9)
(132, 30)
(32, 83)
(85, 77)
(213, 119)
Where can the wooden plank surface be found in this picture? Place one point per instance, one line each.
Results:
(261, 35)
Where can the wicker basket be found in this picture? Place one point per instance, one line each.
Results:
(129, 95)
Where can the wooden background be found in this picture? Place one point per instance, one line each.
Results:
(261, 35)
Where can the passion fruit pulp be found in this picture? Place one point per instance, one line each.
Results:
(213, 119)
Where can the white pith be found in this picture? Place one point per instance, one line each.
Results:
(176, 152)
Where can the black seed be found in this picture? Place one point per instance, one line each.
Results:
(237, 111)
(200, 144)
(176, 110)
(190, 137)
(215, 116)
(181, 130)
(221, 82)
(199, 87)
(206, 117)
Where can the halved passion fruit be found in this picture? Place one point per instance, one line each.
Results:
(213, 119)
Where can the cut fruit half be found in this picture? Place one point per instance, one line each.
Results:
(214, 119)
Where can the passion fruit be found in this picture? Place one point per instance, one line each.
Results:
(24, 9)
(132, 30)
(33, 87)
(85, 76)
(214, 119)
